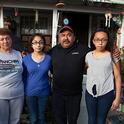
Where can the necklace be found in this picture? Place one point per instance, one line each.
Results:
(38, 58)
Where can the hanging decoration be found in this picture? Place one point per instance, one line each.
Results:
(36, 16)
(16, 12)
(108, 17)
(60, 4)
(66, 21)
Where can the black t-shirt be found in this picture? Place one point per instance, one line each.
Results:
(68, 66)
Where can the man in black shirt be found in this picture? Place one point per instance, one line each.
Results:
(68, 60)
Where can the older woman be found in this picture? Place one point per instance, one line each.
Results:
(11, 85)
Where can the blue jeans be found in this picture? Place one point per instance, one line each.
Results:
(98, 107)
(37, 106)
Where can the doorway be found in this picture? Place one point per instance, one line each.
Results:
(80, 23)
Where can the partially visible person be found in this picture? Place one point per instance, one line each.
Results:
(11, 25)
(36, 81)
(103, 86)
(11, 85)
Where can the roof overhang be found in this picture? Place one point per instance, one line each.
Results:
(88, 6)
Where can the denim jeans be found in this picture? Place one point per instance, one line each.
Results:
(98, 107)
(37, 106)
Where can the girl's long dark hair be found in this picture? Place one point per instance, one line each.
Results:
(110, 42)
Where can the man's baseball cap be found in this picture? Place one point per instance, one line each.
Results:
(66, 28)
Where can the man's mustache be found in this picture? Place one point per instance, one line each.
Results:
(66, 41)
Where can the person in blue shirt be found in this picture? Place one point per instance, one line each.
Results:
(36, 81)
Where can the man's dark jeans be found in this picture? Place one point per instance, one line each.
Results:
(66, 108)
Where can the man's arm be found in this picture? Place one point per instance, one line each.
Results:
(116, 54)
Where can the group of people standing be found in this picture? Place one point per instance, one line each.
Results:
(66, 61)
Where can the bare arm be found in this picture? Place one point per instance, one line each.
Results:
(117, 76)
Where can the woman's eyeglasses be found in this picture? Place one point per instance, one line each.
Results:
(100, 40)
(38, 43)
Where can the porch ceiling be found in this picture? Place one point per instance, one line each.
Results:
(73, 4)
(53, 2)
